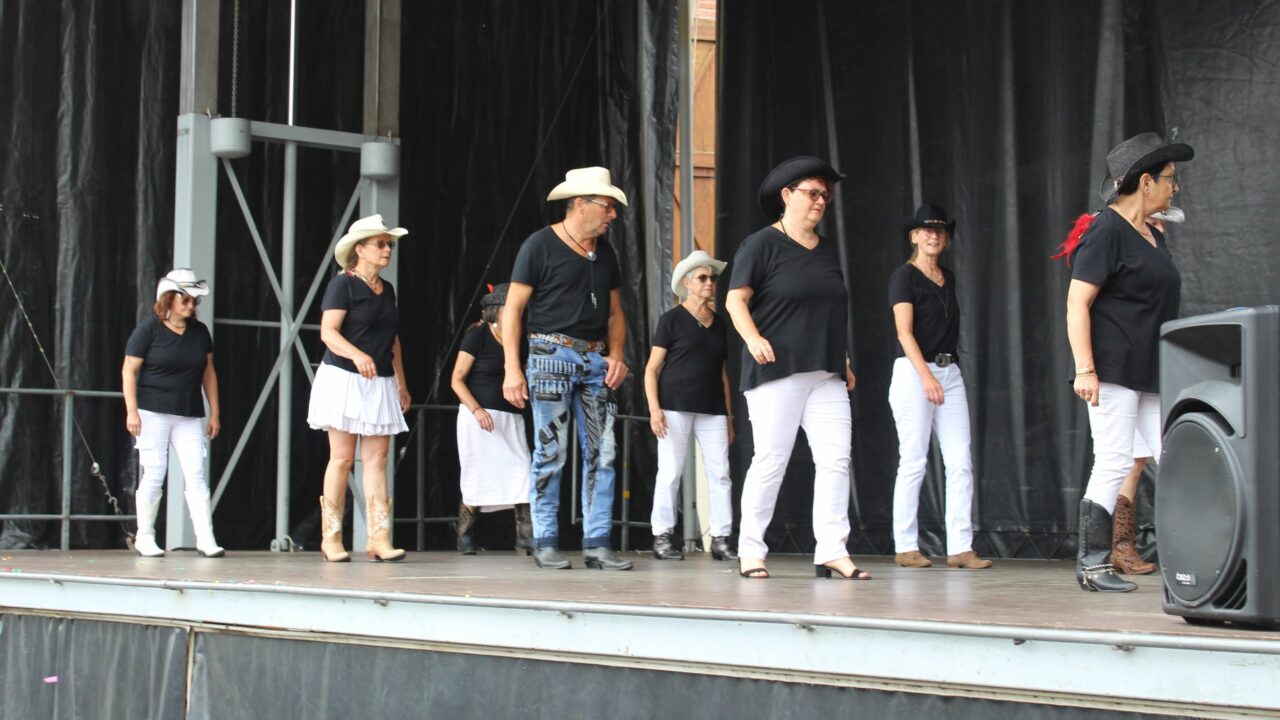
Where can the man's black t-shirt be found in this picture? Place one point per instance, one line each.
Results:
(691, 379)
(1140, 290)
(370, 323)
(935, 319)
(799, 304)
(172, 366)
(570, 292)
(487, 372)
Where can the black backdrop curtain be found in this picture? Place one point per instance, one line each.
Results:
(497, 100)
(1003, 113)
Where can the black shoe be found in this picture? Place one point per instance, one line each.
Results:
(524, 529)
(1094, 570)
(466, 521)
(720, 549)
(664, 549)
(604, 559)
(549, 558)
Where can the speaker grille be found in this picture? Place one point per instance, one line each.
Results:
(1235, 592)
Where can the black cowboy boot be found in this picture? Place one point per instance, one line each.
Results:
(665, 549)
(602, 558)
(524, 529)
(549, 558)
(721, 550)
(467, 515)
(1094, 570)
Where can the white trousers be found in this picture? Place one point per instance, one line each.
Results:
(917, 419)
(1120, 414)
(159, 430)
(819, 403)
(712, 432)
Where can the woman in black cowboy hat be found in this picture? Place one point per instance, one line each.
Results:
(1124, 285)
(927, 392)
(788, 301)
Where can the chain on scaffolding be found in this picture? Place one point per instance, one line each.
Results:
(235, 56)
(95, 469)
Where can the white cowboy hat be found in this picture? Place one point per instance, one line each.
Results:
(365, 227)
(182, 280)
(587, 181)
(696, 259)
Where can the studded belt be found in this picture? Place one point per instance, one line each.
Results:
(595, 346)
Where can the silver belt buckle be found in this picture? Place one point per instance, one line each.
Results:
(943, 360)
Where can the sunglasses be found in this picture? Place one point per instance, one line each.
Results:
(380, 243)
(188, 300)
(814, 194)
(606, 205)
(705, 278)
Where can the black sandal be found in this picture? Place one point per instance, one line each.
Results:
(823, 571)
(756, 572)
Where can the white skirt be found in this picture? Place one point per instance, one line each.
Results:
(346, 401)
(494, 465)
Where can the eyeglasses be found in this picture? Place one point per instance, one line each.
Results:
(380, 243)
(814, 194)
(188, 300)
(1171, 177)
(606, 205)
(703, 278)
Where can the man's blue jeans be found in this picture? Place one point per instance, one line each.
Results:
(562, 380)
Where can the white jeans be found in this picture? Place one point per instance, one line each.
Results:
(158, 431)
(712, 432)
(1120, 413)
(916, 419)
(818, 402)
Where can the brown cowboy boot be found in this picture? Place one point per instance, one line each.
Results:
(378, 547)
(467, 516)
(1124, 549)
(331, 532)
(524, 529)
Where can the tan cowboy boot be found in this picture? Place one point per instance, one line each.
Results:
(912, 558)
(378, 547)
(331, 532)
(968, 559)
(1124, 548)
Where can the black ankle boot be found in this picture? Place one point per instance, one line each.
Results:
(466, 521)
(524, 529)
(604, 559)
(1094, 570)
(720, 549)
(664, 548)
(549, 558)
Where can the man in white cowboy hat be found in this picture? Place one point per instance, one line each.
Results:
(566, 276)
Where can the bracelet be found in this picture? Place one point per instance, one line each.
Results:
(1086, 371)
(478, 409)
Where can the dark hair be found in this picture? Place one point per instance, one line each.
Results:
(489, 314)
(161, 307)
(1130, 185)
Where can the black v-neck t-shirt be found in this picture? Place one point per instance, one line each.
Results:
(370, 323)
(935, 310)
(691, 379)
(799, 304)
(172, 366)
(1140, 289)
(487, 372)
(571, 294)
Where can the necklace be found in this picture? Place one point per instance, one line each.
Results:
(939, 290)
(936, 277)
(706, 321)
(366, 280)
(786, 234)
(175, 325)
(591, 255)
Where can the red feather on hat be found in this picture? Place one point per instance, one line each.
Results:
(1069, 245)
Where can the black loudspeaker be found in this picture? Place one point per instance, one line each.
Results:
(1217, 497)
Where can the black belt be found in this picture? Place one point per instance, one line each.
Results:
(945, 359)
(595, 346)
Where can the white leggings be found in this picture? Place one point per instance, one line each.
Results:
(712, 432)
(1121, 413)
(187, 436)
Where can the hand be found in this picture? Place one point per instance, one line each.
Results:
(405, 399)
(658, 423)
(732, 435)
(932, 388)
(761, 350)
(133, 423)
(1086, 387)
(850, 380)
(484, 418)
(213, 427)
(615, 372)
(365, 366)
(514, 388)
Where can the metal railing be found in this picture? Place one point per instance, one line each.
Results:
(64, 516)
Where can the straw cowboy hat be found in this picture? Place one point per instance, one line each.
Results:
(587, 181)
(182, 280)
(364, 228)
(930, 216)
(696, 259)
(787, 173)
(1137, 154)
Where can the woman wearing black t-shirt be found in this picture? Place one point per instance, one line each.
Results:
(359, 391)
(789, 303)
(493, 453)
(688, 390)
(1124, 285)
(927, 392)
(167, 361)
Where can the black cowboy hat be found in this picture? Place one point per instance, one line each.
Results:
(1137, 154)
(789, 172)
(930, 216)
(497, 295)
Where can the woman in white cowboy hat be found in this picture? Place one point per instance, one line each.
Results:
(359, 391)
(1124, 285)
(789, 303)
(168, 359)
(688, 390)
(493, 452)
